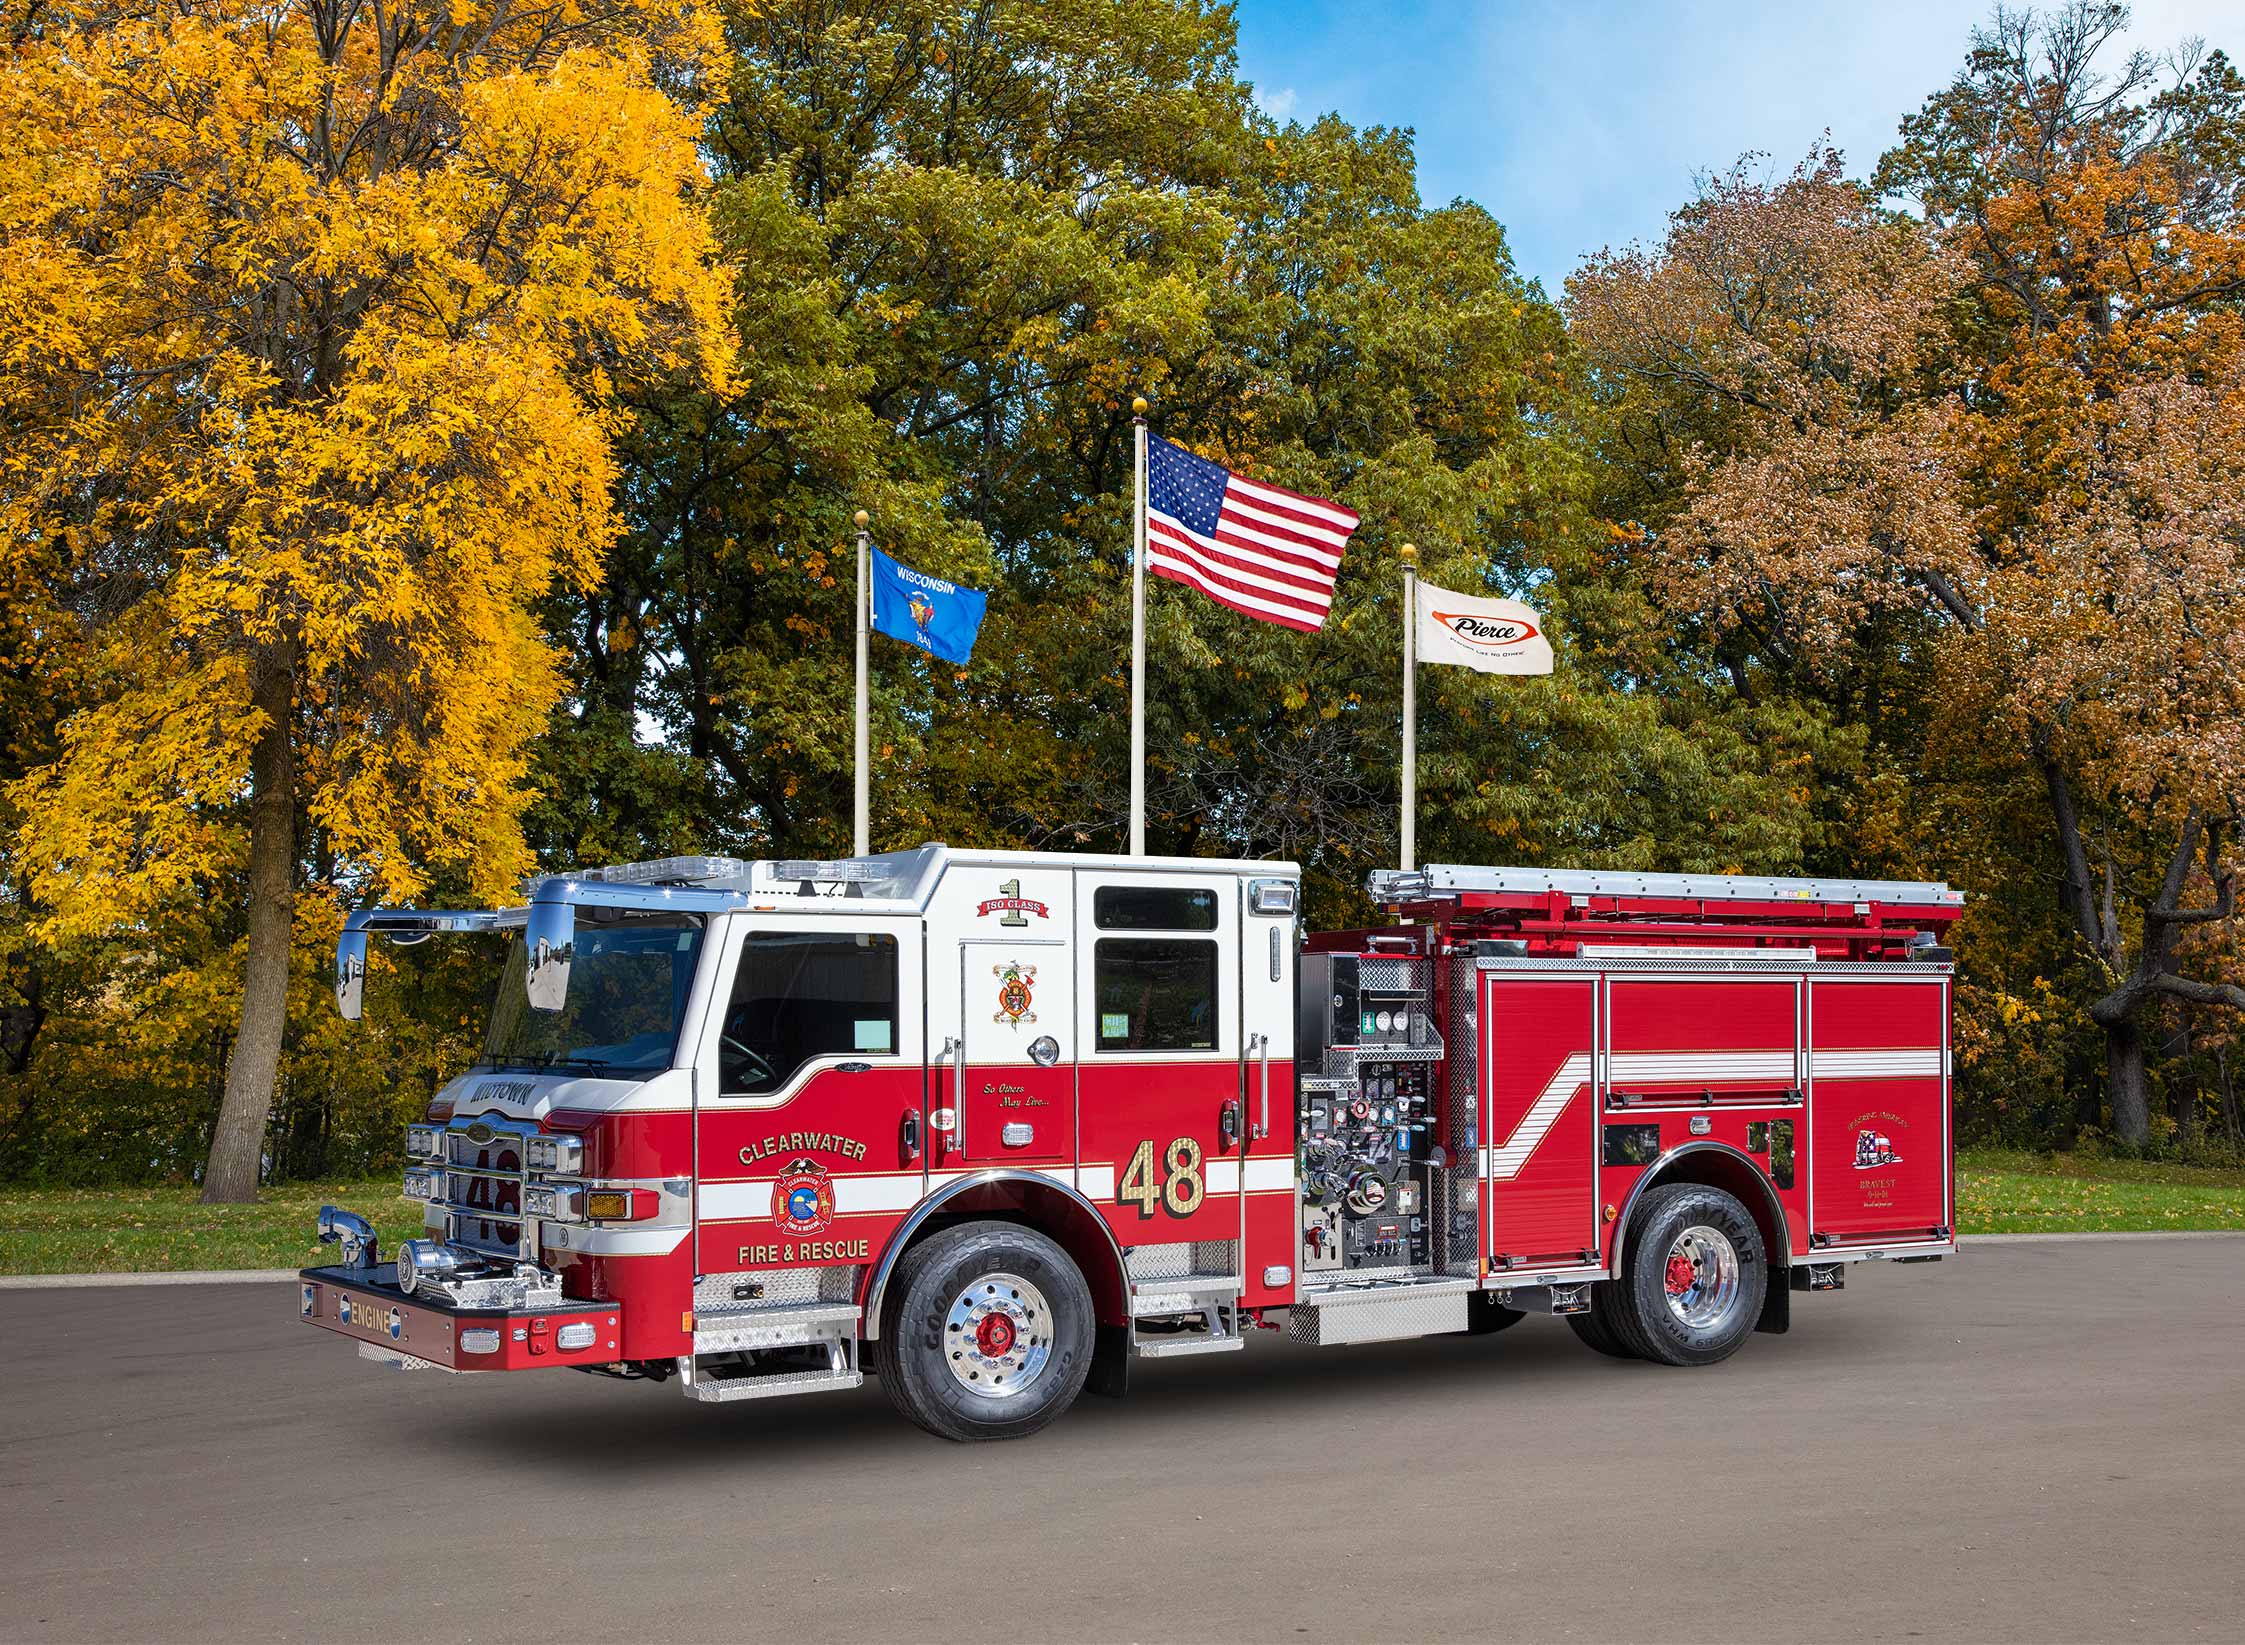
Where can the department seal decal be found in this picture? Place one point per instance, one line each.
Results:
(1015, 982)
(803, 1198)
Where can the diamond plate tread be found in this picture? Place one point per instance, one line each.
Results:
(1144, 1294)
(1173, 1347)
(772, 1387)
(727, 1330)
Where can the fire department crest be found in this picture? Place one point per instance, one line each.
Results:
(1015, 981)
(803, 1198)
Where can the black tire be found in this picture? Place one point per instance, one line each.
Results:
(941, 1378)
(1596, 1328)
(1485, 1316)
(1641, 1314)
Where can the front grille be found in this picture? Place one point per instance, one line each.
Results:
(483, 1184)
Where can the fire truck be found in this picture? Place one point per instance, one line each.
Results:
(990, 1126)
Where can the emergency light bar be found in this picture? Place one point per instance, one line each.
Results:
(665, 871)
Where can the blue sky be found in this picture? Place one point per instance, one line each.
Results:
(1581, 126)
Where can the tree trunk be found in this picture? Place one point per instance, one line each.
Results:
(2124, 1082)
(238, 1141)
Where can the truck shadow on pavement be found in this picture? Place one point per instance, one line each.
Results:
(643, 1431)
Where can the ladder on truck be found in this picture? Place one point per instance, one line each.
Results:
(1443, 882)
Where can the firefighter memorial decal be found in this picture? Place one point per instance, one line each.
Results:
(1011, 907)
(1015, 981)
(803, 1198)
(1874, 1149)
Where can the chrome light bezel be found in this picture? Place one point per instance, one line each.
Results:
(424, 1183)
(424, 1142)
(553, 1201)
(558, 1154)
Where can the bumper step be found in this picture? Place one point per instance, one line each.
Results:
(1178, 1346)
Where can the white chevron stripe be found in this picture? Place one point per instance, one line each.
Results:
(1536, 1124)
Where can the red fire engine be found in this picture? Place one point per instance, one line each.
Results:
(989, 1125)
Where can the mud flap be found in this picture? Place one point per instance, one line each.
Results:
(1110, 1362)
(1777, 1304)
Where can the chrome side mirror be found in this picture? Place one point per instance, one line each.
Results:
(350, 968)
(353, 1232)
(549, 941)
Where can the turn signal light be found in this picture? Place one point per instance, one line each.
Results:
(618, 1204)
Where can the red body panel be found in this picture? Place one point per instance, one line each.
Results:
(1540, 1102)
(1880, 1147)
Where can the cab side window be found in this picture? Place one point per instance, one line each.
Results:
(802, 995)
(1155, 993)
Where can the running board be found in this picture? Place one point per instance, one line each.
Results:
(1168, 1347)
(740, 1329)
(1388, 1312)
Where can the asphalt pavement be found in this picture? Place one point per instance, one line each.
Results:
(2030, 1442)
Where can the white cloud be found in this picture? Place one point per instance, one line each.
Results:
(1279, 104)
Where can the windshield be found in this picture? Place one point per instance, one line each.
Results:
(627, 990)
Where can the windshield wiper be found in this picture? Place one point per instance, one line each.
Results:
(577, 1062)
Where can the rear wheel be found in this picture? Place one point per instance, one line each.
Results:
(991, 1333)
(1693, 1279)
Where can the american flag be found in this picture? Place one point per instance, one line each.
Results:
(1257, 548)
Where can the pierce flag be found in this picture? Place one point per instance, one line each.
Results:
(940, 618)
(1494, 636)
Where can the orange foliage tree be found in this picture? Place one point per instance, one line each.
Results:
(313, 324)
(2006, 443)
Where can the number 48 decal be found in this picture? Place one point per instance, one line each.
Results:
(1180, 1189)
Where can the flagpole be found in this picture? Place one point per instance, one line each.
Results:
(861, 838)
(1138, 636)
(1410, 557)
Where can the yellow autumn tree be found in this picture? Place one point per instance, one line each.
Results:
(314, 321)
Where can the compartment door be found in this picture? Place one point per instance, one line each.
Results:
(1540, 1118)
(1879, 1110)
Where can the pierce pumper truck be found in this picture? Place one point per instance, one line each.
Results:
(991, 1126)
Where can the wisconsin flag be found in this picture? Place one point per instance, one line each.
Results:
(940, 618)
(1494, 636)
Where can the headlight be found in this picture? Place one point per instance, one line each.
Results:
(424, 1182)
(563, 1156)
(424, 1142)
(582, 1334)
(553, 1202)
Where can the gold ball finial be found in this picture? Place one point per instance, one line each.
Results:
(1138, 405)
(862, 517)
(1409, 552)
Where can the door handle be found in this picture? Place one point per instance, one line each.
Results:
(1262, 1044)
(954, 1050)
(1227, 1122)
(909, 1136)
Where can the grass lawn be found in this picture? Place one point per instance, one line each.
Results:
(1999, 1192)
(84, 1231)
(140, 1230)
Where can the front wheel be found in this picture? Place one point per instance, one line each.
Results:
(991, 1334)
(1694, 1277)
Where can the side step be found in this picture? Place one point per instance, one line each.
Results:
(1381, 1312)
(724, 1332)
(721, 1383)
(1210, 1299)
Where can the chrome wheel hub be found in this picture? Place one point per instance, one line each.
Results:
(997, 1337)
(1701, 1277)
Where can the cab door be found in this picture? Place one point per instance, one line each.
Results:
(1161, 1117)
(1002, 1042)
